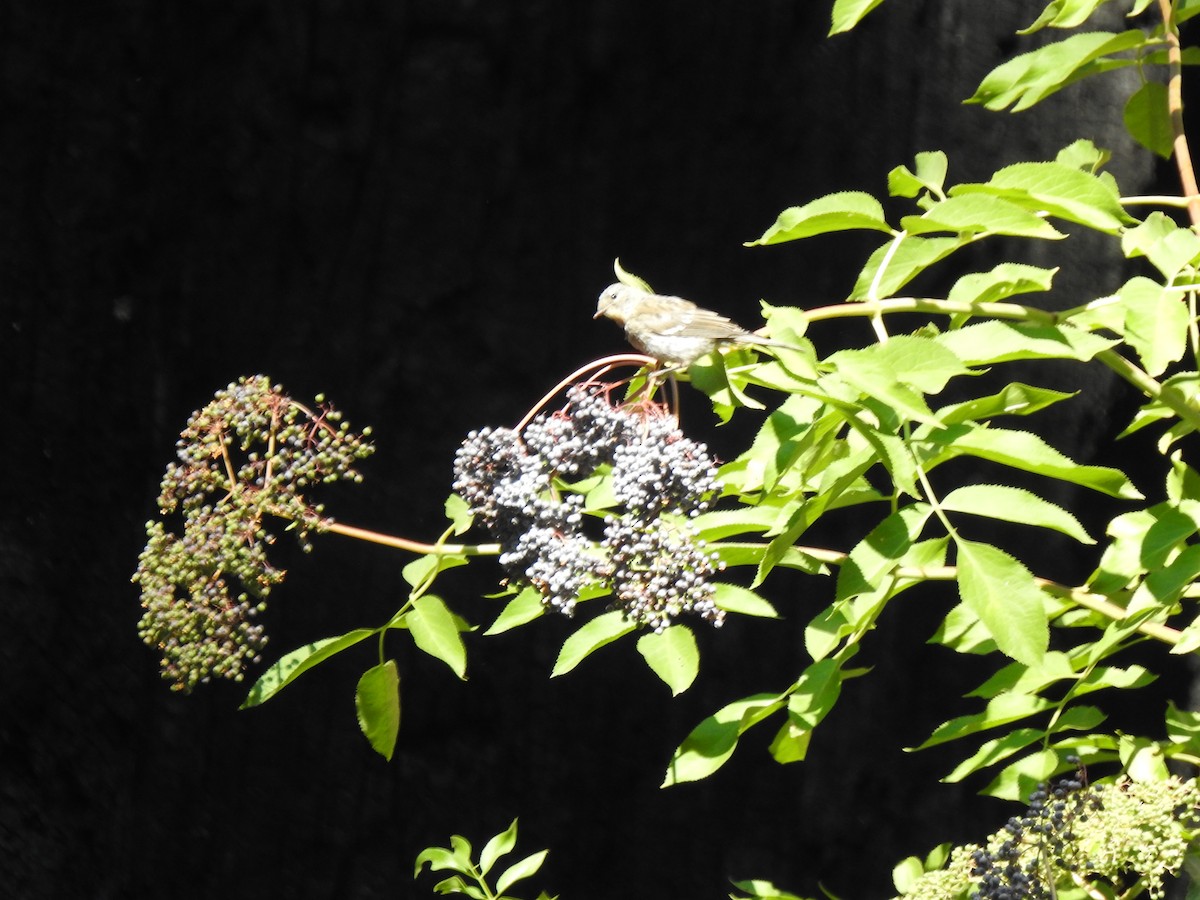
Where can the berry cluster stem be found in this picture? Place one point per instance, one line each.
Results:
(401, 543)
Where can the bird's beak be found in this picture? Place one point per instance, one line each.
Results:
(598, 314)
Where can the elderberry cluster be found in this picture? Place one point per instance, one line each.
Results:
(1023, 860)
(250, 454)
(518, 485)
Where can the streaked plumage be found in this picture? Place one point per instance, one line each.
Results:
(672, 330)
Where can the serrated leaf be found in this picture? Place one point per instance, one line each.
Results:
(1169, 247)
(848, 13)
(912, 256)
(604, 629)
(994, 752)
(377, 702)
(713, 741)
(628, 278)
(875, 557)
(1019, 778)
(435, 632)
(1003, 709)
(520, 610)
(711, 375)
(1064, 14)
(299, 661)
(459, 513)
(1029, 453)
(520, 870)
(930, 175)
(980, 213)
(498, 846)
(905, 874)
(1031, 77)
(1003, 281)
(987, 343)
(1001, 591)
(423, 568)
(1015, 400)
(1148, 119)
(672, 655)
(437, 858)
(1013, 504)
(1058, 189)
(735, 599)
(456, 885)
(841, 211)
(1156, 323)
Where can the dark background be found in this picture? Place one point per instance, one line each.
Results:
(412, 206)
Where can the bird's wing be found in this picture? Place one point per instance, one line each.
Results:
(682, 318)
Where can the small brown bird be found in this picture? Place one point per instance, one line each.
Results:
(672, 330)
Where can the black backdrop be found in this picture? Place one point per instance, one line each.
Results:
(411, 206)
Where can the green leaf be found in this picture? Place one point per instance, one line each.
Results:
(672, 655)
(813, 696)
(377, 702)
(905, 874)
(889, 372)
(1029, 453)
(735, 599)
(1163, 587)
(1156, 323)
(1169, 247)
(711, 375)
(712, 742)
(1031, 77)
(995, 751)
(435, 632)
(930, 175)
(1019, 778)
(437, 858)
(520, 610)
(1148, 119)
(842, 211)
(1002, 709)
(1060, 190)
(498, 846)
(902, 263)
(593, 635)
(848, 13)
(1064, 14)
(1015, 400)
(980, 213)
(520, 870)
(299, 661)
(758, 889)
(1001, 591)
(1003, 281)
(628, 278)
(422, 569)
(456, 885)
(1141, 542)
(459, 513)
(987, 343)
(874, 558)
(1014, 505)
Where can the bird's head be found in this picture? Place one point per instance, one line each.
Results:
(618, 302)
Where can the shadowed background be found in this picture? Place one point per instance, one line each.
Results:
(411, 206)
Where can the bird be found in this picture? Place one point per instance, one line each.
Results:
(676, 332)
